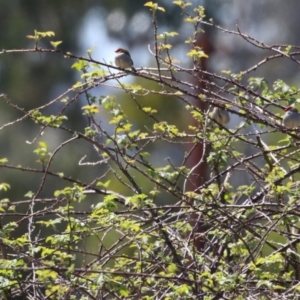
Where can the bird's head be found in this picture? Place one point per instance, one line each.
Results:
(291, 108)
(121, 50)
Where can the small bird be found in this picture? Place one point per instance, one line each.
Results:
(291, 118)
(220, 115)
(123, 59)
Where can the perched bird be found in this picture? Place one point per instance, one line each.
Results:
(220, 115)
(123, 59)
(291, 118)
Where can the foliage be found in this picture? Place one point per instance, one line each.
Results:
(215, 239)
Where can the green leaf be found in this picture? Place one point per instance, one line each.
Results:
(103, 184)
(182, 4)
(55, 44)
(3, 160)
(197, 53)
(154, 6)
(4, 187)
(79, 65)
(90, 109)
(29, 194)
(167, 34)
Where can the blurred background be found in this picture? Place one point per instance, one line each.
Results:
(31, 79)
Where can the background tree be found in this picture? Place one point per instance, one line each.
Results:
(104, 191)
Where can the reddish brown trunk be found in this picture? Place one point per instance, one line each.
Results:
(201, 171)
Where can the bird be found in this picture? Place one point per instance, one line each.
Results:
(220, 115)
(123, 59)
(291, 118)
